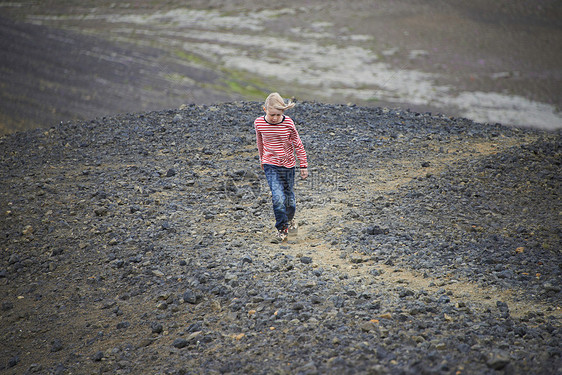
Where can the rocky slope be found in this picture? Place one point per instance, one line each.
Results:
(139, 243)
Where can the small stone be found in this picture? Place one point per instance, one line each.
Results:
(309, 368)
(56, 345)
(503, 308)
(100, 211)
(123, 325)
(13, 361)
(405, 293)
(162, 305)
(14, 258)
(193, 336)
(549, 287)
(505, 274)
(156, 328)
(376, 230)
(389, 262)
(376, 272)
(180, 343)
(310, 284)
(98, 356)
(356, 258)
(190, 297)
(145, 342)
(7, 306)
(368, 326)
(441, 346)
(57, 251)
(306, 260)
(246, 259)
(34, 368)
(444, 299)
(497, 360)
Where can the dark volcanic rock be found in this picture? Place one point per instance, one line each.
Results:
(139, 243)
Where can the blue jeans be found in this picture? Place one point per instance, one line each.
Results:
(281, 181)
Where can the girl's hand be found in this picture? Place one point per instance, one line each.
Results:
(304, 173)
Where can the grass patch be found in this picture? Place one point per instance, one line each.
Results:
(247, 90)
(191, 58)
(241, 83)
(233, 81)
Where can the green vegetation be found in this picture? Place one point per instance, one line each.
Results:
(247, 90)
(191, 58)
(246, 83)
(234, 81)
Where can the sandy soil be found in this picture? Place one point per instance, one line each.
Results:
(310, 243)
(488, 62)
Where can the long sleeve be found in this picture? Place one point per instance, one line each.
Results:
(299, 148)
(278, 143)
(259, 142)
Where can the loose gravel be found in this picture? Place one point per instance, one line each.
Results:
(140, 243)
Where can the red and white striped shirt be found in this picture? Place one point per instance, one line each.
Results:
(277, 143)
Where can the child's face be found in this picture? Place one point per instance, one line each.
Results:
(272, 115)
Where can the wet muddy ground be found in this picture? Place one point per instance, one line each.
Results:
(491, 63)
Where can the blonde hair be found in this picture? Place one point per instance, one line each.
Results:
(274, 100)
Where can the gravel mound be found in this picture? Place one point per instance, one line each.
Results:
(139, 243)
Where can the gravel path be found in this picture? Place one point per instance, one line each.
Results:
(427, 245)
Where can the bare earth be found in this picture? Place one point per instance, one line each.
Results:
(492, 63)
(99, 242)
(125, 251)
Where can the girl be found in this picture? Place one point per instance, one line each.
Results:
(278, 141)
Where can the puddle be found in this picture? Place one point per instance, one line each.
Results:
(492, 107)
